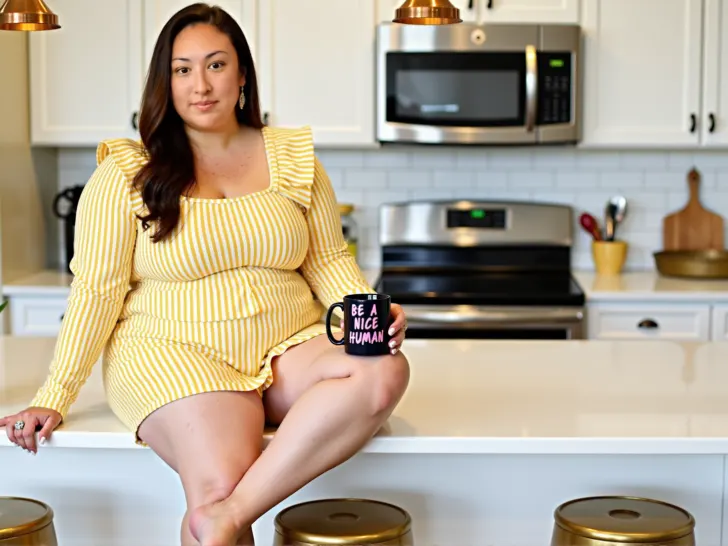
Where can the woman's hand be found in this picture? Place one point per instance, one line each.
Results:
(397, 329)
(21, 427)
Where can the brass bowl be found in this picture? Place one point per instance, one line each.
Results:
(693, 264)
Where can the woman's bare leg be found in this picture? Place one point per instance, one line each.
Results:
(210, 440)
(329, 405)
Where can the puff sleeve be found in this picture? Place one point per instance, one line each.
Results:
(104, 242)
(329, 268)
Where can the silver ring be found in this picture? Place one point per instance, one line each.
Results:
(19, 425)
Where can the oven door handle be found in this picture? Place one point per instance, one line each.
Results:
(474, 315)
(531, 88)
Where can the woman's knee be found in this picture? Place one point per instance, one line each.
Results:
(212, 484)
(387, 381)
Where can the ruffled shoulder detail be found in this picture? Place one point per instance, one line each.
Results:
(293, 162)
(129, 155)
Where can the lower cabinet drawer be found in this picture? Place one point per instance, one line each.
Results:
(680, 322)
(36, 316)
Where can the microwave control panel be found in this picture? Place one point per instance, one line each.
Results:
(554, 88)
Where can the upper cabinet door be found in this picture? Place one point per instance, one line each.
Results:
(642, 68)
(530, 11)
(324, 79)
(714, 119)
(469, 9)
(158, 12)
(85, 78)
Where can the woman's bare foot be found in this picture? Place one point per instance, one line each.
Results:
(214, 525)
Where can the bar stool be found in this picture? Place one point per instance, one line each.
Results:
(343, 522)
(26, 522)
(610, 520)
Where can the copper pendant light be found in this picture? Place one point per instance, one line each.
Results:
(427, 12)
(28, 15)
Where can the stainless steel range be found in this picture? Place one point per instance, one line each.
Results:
(481, 269)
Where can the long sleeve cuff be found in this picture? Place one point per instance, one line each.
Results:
(53, 396)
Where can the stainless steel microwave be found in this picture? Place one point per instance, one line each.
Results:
(478, 83)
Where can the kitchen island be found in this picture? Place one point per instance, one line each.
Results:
(490, 437)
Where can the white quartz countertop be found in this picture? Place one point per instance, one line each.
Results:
(635, 285)
(649, 285)
(532, 397)
(48, 282)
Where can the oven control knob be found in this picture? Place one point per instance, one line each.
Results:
(478, 36)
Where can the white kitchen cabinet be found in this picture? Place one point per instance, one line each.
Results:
(714, 115)
(36, 315)
(530, 11)
(469, 9)
(649, 320)
(719, 323)
(642, 72)
(324, 79)
(85, 78)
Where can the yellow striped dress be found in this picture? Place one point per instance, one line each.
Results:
(207, 309)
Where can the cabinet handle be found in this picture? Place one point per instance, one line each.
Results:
(266, 117)
(648, 324)
(470, 4)
(490, 4)
(134, 123)
(693, 122)
(63, 315)
(711, 118)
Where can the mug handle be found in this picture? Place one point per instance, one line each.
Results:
(329, 333)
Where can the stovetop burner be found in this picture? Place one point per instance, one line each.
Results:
(492, 289)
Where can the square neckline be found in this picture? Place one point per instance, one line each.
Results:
(269, 149)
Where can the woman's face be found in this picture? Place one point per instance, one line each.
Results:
(205, 79)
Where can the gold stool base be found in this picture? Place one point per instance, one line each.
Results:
(26, 522)
(343, 522)
(622, 520)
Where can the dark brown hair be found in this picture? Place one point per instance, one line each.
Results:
(170, 169)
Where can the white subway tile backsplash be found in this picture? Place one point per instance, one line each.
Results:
(410, 179)
(470, 160)
(362, 179)
(669, 180)
(655, 184)
(636, 159)
(486, 180)
(615, 180)
(519, 180)
(452, 180)
(576, 180)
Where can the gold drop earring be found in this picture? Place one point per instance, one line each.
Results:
(242, 98)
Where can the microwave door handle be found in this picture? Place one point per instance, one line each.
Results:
(531, 88)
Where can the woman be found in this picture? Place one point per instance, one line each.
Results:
(196, 257)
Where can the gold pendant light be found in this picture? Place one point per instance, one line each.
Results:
(29, 15)
(427, 12)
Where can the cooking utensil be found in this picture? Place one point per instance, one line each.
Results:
(694, 264)
(614, 213)
(693, 227)
(590, 225)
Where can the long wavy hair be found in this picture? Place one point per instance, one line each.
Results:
(170, 169)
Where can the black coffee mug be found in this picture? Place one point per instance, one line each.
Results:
(366, 324)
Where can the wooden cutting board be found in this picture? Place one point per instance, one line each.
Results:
(693, 227)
